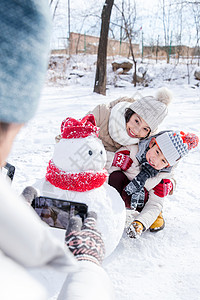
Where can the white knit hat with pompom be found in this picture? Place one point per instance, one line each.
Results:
(153, 110)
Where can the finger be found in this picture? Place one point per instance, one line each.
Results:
(75, 224)
(90, 221)
(29, 193)
(92, 214)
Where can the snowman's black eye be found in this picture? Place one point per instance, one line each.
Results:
(90, 152)
(101, 152)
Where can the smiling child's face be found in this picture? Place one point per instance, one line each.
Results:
(136, 127)
(155, 157)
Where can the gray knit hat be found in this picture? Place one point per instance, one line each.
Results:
(153, 109)
(175, 145)
(24, 46)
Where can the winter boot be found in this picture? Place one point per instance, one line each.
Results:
(159, 223)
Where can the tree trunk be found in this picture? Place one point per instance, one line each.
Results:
(133, 57)
(100, 78)
(135, 73)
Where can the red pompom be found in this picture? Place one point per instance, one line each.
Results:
(191, 139)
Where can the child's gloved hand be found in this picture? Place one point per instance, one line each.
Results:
(122, 160)
(163, 188)
(84, 241)
(135, 229)
(135, 188)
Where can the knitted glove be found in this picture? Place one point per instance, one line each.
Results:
(29, 193)
(122, 160)
(85, 243)
(136, 187)
(163, 188)
(135, 229)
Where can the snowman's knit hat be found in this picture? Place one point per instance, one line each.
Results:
(175, 145)
(75, 129)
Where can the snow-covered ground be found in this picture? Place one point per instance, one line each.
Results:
(163, 265)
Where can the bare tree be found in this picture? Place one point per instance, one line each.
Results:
(100, 78)
(196, 14)
(166, 19)
(157, 45)
(128, 15)
(178, 36)
(194, 8)
(55, 3)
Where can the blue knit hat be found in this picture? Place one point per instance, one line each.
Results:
(24, 46)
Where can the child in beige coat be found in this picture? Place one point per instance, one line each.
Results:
(150, 162)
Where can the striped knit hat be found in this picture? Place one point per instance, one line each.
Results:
(153, 110)
(175, 145)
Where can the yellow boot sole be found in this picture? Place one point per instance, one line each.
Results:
(158, 225)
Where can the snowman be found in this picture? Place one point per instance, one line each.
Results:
(76, 173)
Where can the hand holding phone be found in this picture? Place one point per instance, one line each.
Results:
(84, 240)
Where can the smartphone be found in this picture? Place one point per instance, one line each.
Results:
(56, 212)
(8, 170)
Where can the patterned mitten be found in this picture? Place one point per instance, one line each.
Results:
(122, 160)
(85, 243)
(136, 187)
(163, 188)
(135, 230)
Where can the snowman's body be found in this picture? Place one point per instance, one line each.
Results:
(105, 201)
(83, 161)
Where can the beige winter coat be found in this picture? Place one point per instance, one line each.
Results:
(102, 115)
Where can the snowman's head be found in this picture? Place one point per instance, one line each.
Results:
(80, 149)
(78, 155)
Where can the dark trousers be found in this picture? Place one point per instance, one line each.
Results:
(119, 181)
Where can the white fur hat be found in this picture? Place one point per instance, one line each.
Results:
(153, 109)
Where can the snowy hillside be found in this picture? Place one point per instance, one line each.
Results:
(163, 265)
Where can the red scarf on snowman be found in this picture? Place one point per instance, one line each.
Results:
(82, 181)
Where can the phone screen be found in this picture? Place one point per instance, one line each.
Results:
(56, 212)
